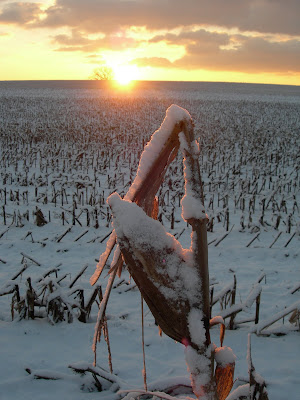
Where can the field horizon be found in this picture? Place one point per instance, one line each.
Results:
(90, 83)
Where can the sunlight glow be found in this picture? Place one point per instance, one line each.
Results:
(124, 74)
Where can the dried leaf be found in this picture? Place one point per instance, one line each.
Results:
(159, 331)
(222, 334)
(294, 318)
(103, 258)
(219, 320)
(154, 214)
(224, 380)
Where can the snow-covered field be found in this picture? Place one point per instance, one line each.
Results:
(63, 151)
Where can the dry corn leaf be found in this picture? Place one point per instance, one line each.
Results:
(294, 318)
(218, 320)
(224, 380)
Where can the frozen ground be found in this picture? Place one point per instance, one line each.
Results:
(42, 347)
(48, 349)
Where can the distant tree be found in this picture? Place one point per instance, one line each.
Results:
(103, 73)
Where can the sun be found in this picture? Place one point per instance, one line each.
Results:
(125, 74)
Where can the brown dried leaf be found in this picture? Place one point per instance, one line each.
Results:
(219, 320)
(222, 333)
(154, 214)
(224, 380)
(294, 318)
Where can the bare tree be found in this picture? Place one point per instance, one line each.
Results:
(103, 73)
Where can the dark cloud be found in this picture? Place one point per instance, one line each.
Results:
(201, 37)
(252, 55)
(76, 39)
(78, 42)
(273, 16)
(231, 53)
(106, 16)
(19, 13)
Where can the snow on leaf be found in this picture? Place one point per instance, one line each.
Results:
(174, 114)
(148, 236)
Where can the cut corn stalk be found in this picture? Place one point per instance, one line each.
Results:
(168, 276)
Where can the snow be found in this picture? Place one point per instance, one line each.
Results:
(199, 368)
(268, 321)
(224, 356)
(216, 320)
(191, 202)
(148, 238)
(196, 327)
(174, 114)
(49, 349)
(192, 208)
(242, 390)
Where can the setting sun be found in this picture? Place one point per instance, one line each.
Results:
(124, 74)
(252, 43)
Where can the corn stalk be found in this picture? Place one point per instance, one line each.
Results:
(173, 281)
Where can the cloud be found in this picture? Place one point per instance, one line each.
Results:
(267, 16)
(207, 40)
(78, 42)
(252, 55)
(156, 62)
(107, 16)
(266, 39)
(224, 52)
(19, 13)
(95, 59)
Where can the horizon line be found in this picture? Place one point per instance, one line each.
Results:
(144, 81)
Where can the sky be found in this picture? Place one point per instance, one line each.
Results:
(255, 41)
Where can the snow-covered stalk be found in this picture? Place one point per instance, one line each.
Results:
(257, 385)
(173, 281)
(193, 212)
(199, 355)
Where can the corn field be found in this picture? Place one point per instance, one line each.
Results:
(63, 152)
